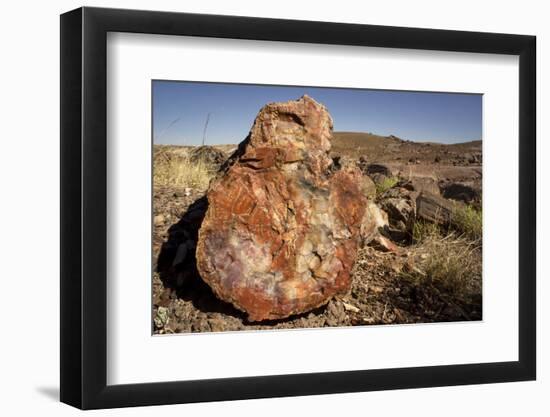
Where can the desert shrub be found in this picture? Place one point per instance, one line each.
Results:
(181, 171)
(450, 264)
(468, 221)
(386, 184)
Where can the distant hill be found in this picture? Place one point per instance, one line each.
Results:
(358, 142)
(390, 148)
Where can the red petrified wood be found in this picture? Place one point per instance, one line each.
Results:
(282, 228)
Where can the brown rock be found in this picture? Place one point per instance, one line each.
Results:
(434, 209)
(378, 178)
(400, 205)
(473, 158)
(368, 187)
(464, 192)
(379, 169)
(401, 210)
(282, 228)
(422, 184)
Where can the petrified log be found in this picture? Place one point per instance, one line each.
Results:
(282, 228)
(434, 209)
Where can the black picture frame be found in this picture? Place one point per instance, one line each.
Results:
(84, 207)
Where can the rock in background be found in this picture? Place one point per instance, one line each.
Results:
(282, 228)
(434, 209)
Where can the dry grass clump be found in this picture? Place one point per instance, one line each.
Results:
(422, 231)
(451, 264)
(178, 170)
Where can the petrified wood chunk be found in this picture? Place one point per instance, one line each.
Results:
(434, 209)
(282, 228)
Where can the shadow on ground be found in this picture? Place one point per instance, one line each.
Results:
(49, 392)
(177, 266)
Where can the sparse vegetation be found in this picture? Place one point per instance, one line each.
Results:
(449, 263)
(177, 170)
(386, 184)
(422, 231)
(468, 221)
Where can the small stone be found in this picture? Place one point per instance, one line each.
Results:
(161, 317)
(158, 220)
(383, 244)
(376, 289)
(350, 307)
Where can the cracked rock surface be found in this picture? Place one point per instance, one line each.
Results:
(282, 228)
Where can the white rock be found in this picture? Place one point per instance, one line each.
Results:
(158, 220)
(350, 307)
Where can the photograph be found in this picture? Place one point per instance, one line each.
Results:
(271, 209)
(287, 207)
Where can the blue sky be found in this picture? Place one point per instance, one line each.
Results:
(181, 108)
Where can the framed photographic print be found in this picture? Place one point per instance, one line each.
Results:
(256, 208)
